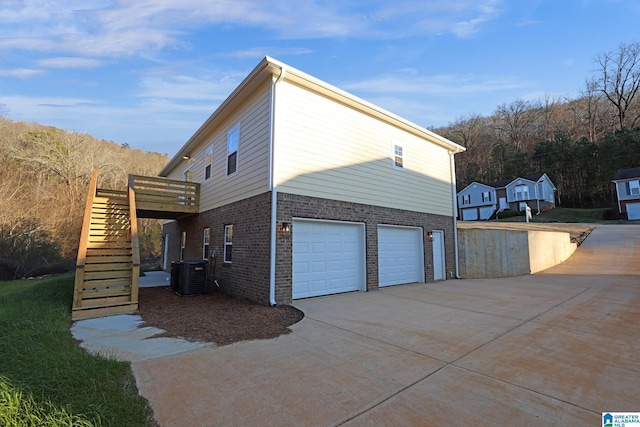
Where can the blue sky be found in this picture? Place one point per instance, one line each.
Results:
(149, 72)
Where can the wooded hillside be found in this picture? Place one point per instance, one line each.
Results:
(44, 179)
(579, 143)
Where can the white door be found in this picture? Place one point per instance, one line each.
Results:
(439, 269)
(470, 214)
(633, 210)
(400, 255)
(328, 258)
(503, 203)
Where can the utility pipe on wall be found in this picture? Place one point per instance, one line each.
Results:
(274, 191)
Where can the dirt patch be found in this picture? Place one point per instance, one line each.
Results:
(213, 317)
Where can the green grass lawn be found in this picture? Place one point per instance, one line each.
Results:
(45, 377)
(568, 215)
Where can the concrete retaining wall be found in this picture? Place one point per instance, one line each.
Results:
(488, 253)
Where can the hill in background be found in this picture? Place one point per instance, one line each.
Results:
(44, 179)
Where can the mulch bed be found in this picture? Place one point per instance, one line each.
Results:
(213, 317)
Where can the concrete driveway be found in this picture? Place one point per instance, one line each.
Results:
(556, 348)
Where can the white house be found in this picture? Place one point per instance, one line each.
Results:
(627, 182)
(307, 190)
(477, 201)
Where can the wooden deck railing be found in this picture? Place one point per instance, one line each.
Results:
(135, 276)
(84, 239)
(165, 195)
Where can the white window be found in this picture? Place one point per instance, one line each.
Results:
(486, 196)
(398, 157)
(634, 188)
(188, 175)
(228, 242)
(521, 192)
(208, 160)
(183, 245)
(466, 199)
(206, 234)
(233, 141)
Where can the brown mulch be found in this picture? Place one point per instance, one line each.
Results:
(213, 317)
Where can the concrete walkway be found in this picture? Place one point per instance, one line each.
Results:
(556, 348)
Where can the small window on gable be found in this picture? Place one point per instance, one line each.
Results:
(228, 242)
(398, 156)
(634, 188)
(486, 196)
(233, 141)
(208, 161)
(466, 199)
(205, 243)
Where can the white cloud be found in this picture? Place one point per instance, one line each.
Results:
(21, 73)
(123, 28)
(70, 62)
(440, 85)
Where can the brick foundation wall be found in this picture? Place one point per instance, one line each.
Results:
(247, 276)
(294, 206)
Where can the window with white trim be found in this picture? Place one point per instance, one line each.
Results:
(398, 156)
(206, 234)
(208, 162)
(188, 174)
(228, 242)
(634, 188)
(521, 192)
(183, 245)
(486, 196)
(233, 142)
(466, 199)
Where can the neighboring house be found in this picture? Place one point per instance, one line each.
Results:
(477, 201)
(627, 183)
(537, 191)
(307, 190)
(481, 201)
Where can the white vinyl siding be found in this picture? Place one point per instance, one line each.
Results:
(252, 175)
(307, 164)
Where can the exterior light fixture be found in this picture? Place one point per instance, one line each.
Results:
(187, 157)
(286, 226)
(429, 235)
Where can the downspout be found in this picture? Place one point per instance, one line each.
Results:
(454, 196)
(274, 191)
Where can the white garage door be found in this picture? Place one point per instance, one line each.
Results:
(633, 210)
(328, 258)
(400, 255)
(470, 214)
(485, 213)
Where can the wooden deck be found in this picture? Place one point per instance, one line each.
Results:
(108, 264)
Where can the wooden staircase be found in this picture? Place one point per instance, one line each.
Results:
(108, 266)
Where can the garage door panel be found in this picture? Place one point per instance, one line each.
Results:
(469, 214)
(633, 211)
(336, 260)
(400, 255)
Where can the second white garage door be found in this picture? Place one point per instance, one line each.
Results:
(400, 255)
(328, 258)
(633, 211)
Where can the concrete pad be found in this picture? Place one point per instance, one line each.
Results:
(318, 375)
(123, 338)
(437, 331)
(454, 396)
(154, 278)
(500, 297)
(591, 371)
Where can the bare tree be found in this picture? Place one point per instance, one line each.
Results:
(517, 121)
(620, 81)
